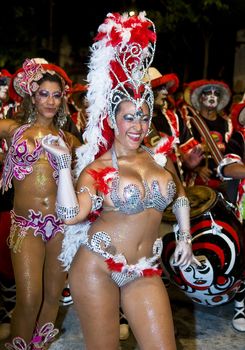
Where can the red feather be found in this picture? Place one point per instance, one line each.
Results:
(152, 272)
(114, 266)
(99, 176)
(166, 146)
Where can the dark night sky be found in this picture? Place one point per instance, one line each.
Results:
(24, 24)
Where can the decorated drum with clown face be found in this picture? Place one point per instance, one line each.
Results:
(217, 242)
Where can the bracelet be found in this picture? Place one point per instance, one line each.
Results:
(181, 202)
(66, 213)
(183, 236)
(63, 161)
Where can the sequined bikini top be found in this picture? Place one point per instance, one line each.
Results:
(19, 161)
(132, 202)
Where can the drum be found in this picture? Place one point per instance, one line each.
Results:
(217, 242)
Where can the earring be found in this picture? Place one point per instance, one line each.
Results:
(31, 114)
(61, 117)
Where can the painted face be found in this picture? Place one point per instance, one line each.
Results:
(199, 276)
(132, 124)
(160, 96)
(210, 98)
(3, 89)
(241, 118)
(48, 99)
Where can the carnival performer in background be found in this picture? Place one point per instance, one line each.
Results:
(36, 232)
(7, 282)
(114, 257)
(77, 109)
(231, 167)
(166, 121)
(209, 125)
(77, 105)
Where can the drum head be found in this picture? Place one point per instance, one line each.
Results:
(201, 199)
(218, 244)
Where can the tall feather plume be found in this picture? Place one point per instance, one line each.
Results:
(116, 30)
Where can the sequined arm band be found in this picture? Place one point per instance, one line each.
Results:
(181, 202)
(65, 213)
(181, 209)
(63, 161)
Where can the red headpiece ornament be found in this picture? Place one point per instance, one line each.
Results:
(24, 80)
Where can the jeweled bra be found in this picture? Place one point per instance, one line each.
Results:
(19, 161)
(132, 203)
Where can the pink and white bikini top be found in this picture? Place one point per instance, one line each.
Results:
(19, 161)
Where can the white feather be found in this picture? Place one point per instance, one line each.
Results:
(74, 237)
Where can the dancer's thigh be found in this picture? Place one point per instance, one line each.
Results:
(146, 305)
(96, 299)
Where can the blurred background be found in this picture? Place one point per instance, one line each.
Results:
(196, 38)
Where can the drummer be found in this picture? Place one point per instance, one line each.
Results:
(204, 114)
(187, 152)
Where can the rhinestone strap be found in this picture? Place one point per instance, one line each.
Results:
(63, 161)
(66, 213)
(180, 202)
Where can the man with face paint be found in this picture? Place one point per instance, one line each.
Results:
(203, 112)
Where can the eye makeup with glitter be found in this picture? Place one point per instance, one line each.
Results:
(45, 94)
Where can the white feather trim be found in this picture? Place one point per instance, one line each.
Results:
(74, 237)
(160, 159)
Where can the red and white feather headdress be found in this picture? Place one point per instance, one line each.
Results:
(123, 50)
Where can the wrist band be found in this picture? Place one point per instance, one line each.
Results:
(66, 213)
(63, 161)
(183, 236)
(181, 202)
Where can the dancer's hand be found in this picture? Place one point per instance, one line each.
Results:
(55, 145)
(183, 255)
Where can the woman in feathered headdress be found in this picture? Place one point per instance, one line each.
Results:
(113, 248)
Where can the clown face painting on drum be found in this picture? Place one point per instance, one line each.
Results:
(217, 242)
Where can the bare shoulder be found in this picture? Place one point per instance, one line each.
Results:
(101, 162)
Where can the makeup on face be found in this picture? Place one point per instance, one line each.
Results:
(45, 94)
(210, 97)
(139, 116)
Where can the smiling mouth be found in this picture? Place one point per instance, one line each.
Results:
(134, 137)
(200, 282)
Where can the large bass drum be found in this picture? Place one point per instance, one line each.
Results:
(217, 242)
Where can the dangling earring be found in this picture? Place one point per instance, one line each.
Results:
(61, 116)
(31, 114)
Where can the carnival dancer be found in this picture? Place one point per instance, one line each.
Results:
(204, 115)
(231, 167)
(36, 232)
(7, 282)
(112, 246)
